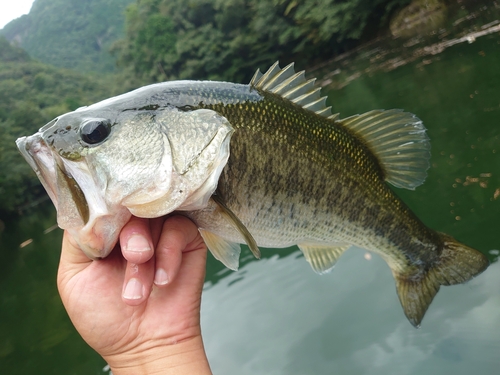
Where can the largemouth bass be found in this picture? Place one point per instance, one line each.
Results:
(265, 164)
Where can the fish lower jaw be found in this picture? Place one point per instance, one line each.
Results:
(99, 236)
(93, 248)
(93, 254)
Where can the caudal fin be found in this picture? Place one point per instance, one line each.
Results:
(457, 264)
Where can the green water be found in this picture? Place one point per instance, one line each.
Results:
(275, 316)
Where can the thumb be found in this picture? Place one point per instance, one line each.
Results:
(72, 260)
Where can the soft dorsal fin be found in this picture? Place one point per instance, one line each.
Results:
(322, 258)
(399, 141)
(292, 86)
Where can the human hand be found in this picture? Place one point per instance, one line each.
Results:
(139, 308)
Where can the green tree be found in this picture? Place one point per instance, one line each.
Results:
(229, 39)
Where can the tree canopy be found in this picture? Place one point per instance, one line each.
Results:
(215, 39)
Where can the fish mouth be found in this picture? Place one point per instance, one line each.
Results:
(80, 207)
(63, 189)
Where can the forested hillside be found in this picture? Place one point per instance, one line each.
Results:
(31, 94)
(74, 34)
(209, 39)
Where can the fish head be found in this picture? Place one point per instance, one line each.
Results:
(100, 165)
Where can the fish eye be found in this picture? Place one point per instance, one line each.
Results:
(95, 131)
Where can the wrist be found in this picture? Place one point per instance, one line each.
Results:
(186, 357)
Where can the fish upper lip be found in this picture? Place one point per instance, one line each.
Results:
(38, 155)
(22, 144)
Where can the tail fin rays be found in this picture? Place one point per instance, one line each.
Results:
(457, 264)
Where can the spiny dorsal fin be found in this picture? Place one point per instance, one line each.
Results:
(398, 139)
(292, 86)
(322, 258)
(227, 252)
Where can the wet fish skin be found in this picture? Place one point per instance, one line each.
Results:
(296, 175)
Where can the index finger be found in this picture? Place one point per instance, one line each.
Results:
(136, 241)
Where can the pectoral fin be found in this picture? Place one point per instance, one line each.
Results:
(226, 252)
(322, 258)
(233, 219)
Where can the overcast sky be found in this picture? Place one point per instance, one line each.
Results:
(11, 9)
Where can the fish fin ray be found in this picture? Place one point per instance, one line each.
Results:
(277, 79)
(317, 105)
(299, 88)
(256, 77)
(236, 222)
(416, 296)
(322, 258)
(267, 76)
(292, 86)
(457, 264)
(399, 140)
(325, 111)
(292, 81)
(226, 252)
(309, 99)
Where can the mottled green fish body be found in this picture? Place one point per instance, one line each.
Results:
(294, 175)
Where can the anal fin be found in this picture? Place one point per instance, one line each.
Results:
(322, 258)
(226, 252)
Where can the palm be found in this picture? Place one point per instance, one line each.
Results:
(92, 294)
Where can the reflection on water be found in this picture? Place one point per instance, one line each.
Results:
(466, 24)
(276, 316)
(281, 318)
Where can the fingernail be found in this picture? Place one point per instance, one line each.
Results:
(133, 290)
(161, 277)
(137, 243)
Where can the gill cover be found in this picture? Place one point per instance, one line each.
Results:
(195, 151)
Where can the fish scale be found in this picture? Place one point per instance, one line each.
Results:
(343, 200)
